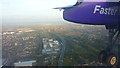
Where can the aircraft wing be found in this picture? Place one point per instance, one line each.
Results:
(94, 13)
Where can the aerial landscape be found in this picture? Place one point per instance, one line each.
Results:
(82, 33)
(52, 44)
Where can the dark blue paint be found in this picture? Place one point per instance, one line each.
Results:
(84, 14)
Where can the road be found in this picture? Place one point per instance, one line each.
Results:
(61, 57)
(60, 61)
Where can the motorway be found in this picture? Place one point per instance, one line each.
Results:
(60, 61)
(61, 57)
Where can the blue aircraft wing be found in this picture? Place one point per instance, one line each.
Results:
(94, 13)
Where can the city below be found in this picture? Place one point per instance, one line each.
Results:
(52, 44)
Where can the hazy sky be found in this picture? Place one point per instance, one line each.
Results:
(28, 11)
(34, 11)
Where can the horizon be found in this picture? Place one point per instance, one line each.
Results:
(31, 11)
(34, 11)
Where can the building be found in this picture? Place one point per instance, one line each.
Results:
(25, 63)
